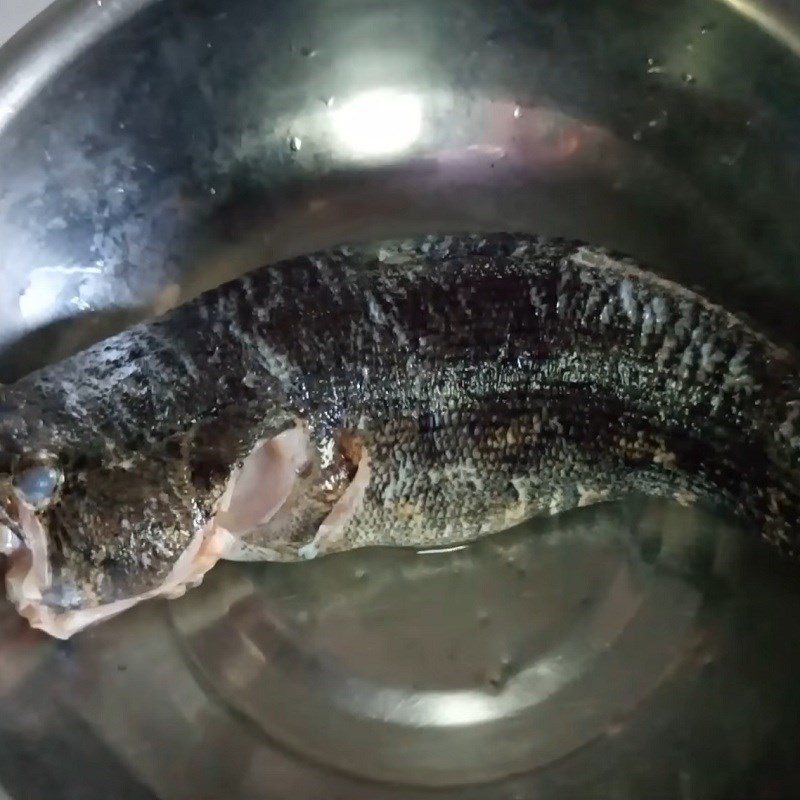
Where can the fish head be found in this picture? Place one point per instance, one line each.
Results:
(92, 528)
(89, 533)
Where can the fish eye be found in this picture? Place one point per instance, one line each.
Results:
(37, 485)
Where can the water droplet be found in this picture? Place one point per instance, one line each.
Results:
(307, 52)
(517, 112)
(708, 661)
(654, 67)
(707, 27)
(329, 101)
(99, 3)
(212, 191)
(498, 678)
(637, 136)
(687, 77)
(295, 143)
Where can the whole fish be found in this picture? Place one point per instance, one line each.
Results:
(408, 393)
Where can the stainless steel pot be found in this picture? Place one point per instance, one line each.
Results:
(152, 148)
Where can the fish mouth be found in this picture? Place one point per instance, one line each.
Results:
(25, 542)
(29, 577)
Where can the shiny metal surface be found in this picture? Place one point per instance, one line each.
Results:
(534, 666)
(17, 13)
(149, 149)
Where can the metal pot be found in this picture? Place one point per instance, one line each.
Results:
(152, 148)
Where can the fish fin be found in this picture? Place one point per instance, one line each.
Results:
(331, 532)
(263, 484)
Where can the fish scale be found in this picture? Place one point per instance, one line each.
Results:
(486, 378)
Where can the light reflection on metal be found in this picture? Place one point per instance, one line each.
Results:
(378, 123)
(39, 301)
(533, 685)
(437, 551)
(771, 20)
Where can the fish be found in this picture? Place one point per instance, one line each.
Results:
(410, 393)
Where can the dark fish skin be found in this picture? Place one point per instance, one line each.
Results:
(489, 378)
